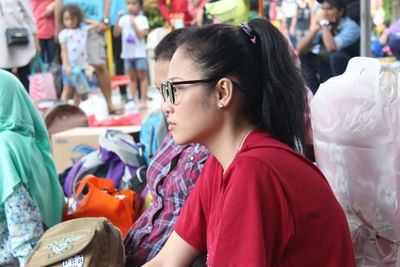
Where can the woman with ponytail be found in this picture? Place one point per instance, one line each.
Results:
(258, 201)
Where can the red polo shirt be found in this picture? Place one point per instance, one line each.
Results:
(272, 207)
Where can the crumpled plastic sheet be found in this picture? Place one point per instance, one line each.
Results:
(356, 129)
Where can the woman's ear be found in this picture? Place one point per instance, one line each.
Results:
(225, 92)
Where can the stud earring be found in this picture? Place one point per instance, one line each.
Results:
(220, 105)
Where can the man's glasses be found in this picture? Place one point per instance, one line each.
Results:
(168, 89)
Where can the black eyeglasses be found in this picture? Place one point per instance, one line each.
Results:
(168, 89)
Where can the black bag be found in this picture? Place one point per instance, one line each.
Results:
(17, 36)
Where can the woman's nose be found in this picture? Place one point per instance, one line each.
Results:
(166, 106)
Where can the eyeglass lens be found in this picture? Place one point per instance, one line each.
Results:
(167, 91)
(171, 92)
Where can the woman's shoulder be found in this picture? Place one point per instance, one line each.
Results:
(11, 148)
(262, 148)
(261, 142)
(9, 137)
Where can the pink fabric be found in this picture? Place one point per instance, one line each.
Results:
(41, 86)
(175, 6)
(193, 9)
(46, 25)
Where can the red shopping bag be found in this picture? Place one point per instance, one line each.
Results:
(41, 82)
(129, 119)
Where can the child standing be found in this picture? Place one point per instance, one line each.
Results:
(134, 27)
(73, 48)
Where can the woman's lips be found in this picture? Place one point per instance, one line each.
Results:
(171, 125)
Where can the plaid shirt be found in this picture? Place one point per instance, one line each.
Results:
(172, 173)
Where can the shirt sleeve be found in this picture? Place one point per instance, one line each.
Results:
(349, 34)
(62, 37)
(85, 28)
(144, 23)
(24, 223)
(316, 43)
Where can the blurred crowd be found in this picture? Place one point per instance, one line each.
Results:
(47, 27)
(256, 80)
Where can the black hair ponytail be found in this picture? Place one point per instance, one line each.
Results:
(257, 56)
(283, 93)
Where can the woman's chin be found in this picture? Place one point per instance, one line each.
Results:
(180, 140)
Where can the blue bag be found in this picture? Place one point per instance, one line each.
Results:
(152, 133)
(80, 81)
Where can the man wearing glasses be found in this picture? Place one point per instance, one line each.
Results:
(172, 173)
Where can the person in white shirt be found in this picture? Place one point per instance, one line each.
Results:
(72, 39)
(134, 27)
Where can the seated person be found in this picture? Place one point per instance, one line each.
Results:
(257, 201)
(332, 40)
(31, 198)
(391, 38)
(172, 173)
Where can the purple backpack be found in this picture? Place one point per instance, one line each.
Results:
(119, 159)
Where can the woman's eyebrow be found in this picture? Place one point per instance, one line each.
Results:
(175, 78)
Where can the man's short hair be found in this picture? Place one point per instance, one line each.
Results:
(336, 3)
(168, 45)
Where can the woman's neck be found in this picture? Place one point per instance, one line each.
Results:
(226, 144)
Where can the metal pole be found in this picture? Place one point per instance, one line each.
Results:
(365, 21)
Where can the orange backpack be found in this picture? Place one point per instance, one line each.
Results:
(103, 200)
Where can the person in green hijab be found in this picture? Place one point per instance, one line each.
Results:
(31, 198)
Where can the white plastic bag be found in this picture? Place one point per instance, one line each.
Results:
(356, 128)
(95, 105)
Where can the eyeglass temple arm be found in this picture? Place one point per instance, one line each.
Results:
(191, 81)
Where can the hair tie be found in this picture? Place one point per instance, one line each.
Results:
(249, 31)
